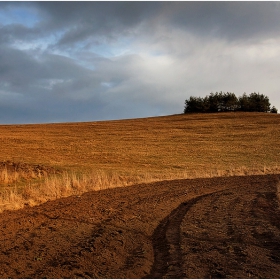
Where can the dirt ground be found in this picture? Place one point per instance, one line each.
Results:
(200, 228)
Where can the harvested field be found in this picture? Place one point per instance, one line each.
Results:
(180, 145)
(200, 228)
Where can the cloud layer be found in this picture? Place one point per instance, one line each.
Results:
(83, 61)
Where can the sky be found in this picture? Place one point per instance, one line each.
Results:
(88, 61)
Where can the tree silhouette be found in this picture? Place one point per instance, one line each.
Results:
(228, 102)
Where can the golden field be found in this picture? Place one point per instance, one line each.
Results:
(158, 145)
(168, 147)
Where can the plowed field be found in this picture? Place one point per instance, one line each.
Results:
(200, 228)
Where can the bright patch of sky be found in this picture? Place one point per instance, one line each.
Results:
(108, 49)
(93, 49)
(24, 45)
(21, 15)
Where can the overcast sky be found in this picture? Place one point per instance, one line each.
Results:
(84, 61)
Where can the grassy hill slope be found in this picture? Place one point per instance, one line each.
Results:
(194, 143)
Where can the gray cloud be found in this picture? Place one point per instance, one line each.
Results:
(78, 21)
(229, 20)
(84, 20)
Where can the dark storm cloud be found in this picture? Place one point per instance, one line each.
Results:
(82, 20)
(232, 20)
(14, 32)
(102, 13)
(20, 69)
(78, 21)
(13, 65)
(51, 87)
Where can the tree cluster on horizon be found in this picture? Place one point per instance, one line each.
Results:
(228, 102)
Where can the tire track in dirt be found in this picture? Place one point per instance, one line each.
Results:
(225, 229)
(166, 243)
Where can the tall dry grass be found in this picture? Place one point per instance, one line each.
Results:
(68, 184)
(8, 177)
(62, 185)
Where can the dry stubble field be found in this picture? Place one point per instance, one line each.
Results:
(225, 227)
(194, 144)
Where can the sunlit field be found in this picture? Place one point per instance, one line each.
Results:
(140, 150)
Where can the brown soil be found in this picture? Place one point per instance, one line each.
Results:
(200, 228)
